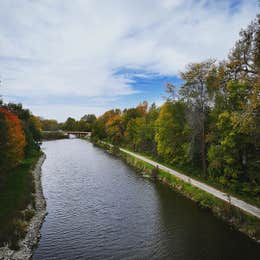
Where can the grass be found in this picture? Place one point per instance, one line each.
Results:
(15, 195)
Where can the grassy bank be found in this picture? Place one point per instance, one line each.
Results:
(16, 194)
(238, 219)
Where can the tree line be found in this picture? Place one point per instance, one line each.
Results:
(84, 124)
(210, 125)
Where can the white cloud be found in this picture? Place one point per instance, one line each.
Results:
(71, 48)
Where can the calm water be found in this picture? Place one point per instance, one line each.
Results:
(99, 208)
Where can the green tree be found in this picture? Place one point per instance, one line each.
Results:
(172, 133)
(50, 125)
(234, 120)
(196, 92)
(70, 124)
(89, 118)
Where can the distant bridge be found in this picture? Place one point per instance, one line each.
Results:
(78, 133)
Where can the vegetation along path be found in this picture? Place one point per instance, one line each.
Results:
(219, 194)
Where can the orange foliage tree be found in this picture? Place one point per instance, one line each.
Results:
(12, 140)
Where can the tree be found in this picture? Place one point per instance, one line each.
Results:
(3, 141)
(197, 93)
(103, 123)
(114, 129)
(31, 126)
(82, 125)
(233, 137)
(244, 59)
(98, 130)
(172, 133)
(87, 122)
(135, 133)
(12, 140)
(150, 129)
(89, 118)
(70, 124)
(234, 120)
(49, 124)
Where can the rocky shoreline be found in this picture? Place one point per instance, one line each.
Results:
(27, 245)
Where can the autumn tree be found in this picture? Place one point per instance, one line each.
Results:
(114, 129)
(30, 124)
(105, 125)
(12, 140)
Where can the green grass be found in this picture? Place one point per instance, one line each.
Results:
(15, 194)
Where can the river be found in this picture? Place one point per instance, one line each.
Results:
(99, 208)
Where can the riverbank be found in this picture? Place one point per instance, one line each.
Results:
(22, 229)
(236, 218)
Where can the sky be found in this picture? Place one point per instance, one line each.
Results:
(63, 58)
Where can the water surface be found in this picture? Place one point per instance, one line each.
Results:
(99, 208)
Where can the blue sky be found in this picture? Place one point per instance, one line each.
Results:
(67, 58)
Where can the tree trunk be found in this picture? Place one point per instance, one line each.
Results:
(203, 150)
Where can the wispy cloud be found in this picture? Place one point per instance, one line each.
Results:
(53, 49)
